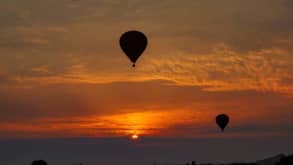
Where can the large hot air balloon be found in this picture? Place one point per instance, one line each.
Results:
(133, 43)
(222, 121)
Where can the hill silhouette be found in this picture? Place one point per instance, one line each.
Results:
(280, 159)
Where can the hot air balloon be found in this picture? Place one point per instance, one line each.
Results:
(222, 121)
(133, 43)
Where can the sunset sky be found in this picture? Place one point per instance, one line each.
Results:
(64, 75)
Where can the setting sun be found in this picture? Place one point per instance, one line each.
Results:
(134, 137)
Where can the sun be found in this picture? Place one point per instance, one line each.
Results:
(134, 137)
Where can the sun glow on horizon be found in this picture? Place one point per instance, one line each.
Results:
(150, 122)
(134, 137)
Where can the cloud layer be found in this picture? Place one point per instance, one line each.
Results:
(61, 61)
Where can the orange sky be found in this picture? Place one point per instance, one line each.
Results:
(63, 74)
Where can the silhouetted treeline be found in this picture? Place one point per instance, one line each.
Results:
(39, 162)
(234, 164)
(42, 162)
(193, 163)
(243, 164)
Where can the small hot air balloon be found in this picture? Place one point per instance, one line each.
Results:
(133, 43)
(222, 121)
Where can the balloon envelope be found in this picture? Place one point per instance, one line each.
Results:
(222, 121)
(133, 44)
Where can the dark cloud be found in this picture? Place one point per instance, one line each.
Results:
(243, 25)
(53, 33)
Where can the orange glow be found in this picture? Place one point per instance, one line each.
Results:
(73, 80)
(134, 137)
(151, 122)
(134, 125)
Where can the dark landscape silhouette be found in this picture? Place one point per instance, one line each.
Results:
(39, 162)
(276, 160)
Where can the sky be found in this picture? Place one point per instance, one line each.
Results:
(63, 76)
